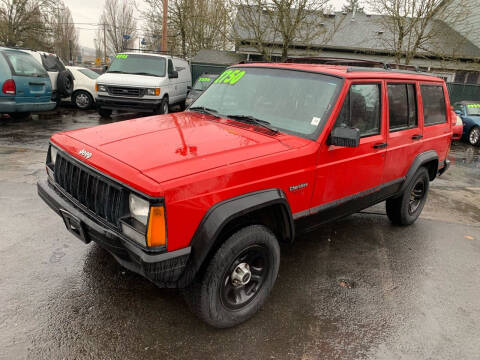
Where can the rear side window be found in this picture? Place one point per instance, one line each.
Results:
(52, 63)
(402, 106)
(23, 64)
(434, 108)
(361, 109)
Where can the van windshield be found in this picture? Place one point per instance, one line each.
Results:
(295, 102)
(138, 65)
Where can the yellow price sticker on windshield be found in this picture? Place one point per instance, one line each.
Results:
(230, 77)
(122, 56)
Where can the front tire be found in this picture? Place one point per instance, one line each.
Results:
(474, 136)
(82, 100)
(406, 209)
(238, 279)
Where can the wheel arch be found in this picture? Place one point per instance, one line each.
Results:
(428, 159)
(266, 207)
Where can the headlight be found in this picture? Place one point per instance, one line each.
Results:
(139, 209)
(53, 155)
(101, 88)
(153, 92)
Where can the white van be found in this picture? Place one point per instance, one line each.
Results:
(143, 82)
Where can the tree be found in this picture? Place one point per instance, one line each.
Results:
(352, 6)
(418, 27)
(192, 24)
(267, 24)
(64, 37)
(23, 23)
(119, 21)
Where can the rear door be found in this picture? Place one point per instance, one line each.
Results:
(348, 178)
(31, 80)
(405, 131)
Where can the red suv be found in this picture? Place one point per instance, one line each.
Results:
(201, 199)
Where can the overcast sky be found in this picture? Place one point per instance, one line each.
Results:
(87, 12)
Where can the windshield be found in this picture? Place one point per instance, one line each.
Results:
(473, 109)
(23, 64)
(292, 101)
(204, 82)
(138, 64)
(89, 73)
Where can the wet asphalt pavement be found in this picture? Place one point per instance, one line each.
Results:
(356, 288)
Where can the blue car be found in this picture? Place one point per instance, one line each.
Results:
(469, 111)
(25, 85)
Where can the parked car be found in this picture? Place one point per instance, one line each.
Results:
(202, 83)
(469, 111)
(143, 82)
(457, 126)
(25, 84)
(61, 79)
(83, 95)
(201, 199)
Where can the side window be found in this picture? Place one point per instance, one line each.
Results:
(170, 66)
(402, 106)
(361, 109)
(434, 108)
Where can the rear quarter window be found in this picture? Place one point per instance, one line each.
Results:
(434, 108)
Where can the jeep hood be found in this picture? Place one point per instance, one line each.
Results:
(171, 146)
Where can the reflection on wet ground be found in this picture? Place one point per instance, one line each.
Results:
(355, 288)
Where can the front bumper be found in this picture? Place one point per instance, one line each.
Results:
(14, 107)
(127, 104)
(163, 269)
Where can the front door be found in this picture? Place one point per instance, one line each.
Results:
(348, 177)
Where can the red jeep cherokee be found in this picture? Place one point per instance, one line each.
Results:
(201, 199)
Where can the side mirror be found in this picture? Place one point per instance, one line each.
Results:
(459, 112)
(345, 136)
(173, 75)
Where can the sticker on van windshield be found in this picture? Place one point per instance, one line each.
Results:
(122, 56)
(204, 79)
(230, 77)
(473, 106)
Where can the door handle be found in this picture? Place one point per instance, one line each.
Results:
(417, 137)
(380, 146)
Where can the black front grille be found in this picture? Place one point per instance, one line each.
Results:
(102, 197)
(125, 91)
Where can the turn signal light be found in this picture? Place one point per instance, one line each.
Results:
(96, 87)
(156, 235)
(9, 87)
(157, 92)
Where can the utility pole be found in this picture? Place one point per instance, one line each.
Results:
(105, 42)
(164, 25)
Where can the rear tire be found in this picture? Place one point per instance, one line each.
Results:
(104, 113)
(474, 136)
(406, 209)
(238, 279)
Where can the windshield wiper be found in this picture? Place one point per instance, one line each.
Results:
(204, 110)
(253, 120)
(145, 73)
(117, 72)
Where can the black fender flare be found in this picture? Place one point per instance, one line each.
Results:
(419, 161)
(224, 212)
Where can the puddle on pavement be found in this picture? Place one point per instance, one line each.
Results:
(465, 155)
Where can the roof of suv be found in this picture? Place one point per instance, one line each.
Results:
(349, 71)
